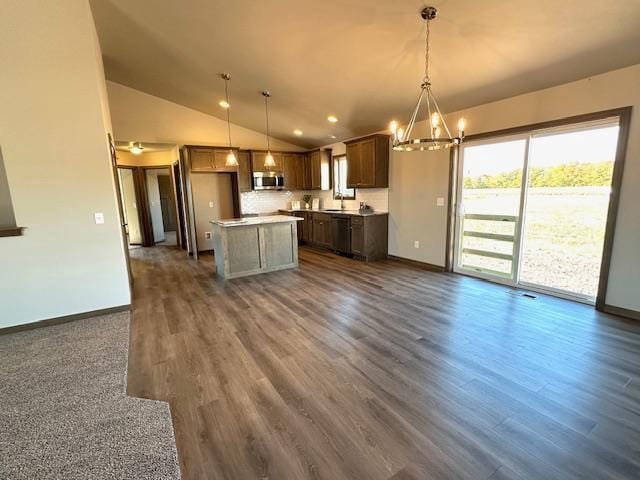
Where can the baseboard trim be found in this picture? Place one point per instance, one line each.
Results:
(65, 319)
(423, 265)
(622, 312)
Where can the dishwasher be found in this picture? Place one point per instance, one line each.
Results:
(341, 233)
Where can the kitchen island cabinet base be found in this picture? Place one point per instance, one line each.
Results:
(261, 245)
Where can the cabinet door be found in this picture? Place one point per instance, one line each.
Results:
(316, 233)
(307, 172)
(316, 170)
(201, 159)
(368, 163)
(307, 229)
(300, 170)
(300, 225)
(353, 165)
(357, 235)
(289, 171)
(244, 172)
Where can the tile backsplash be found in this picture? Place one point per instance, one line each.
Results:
(270, 202)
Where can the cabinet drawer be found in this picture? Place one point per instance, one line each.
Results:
(357, 220)
(321, 217)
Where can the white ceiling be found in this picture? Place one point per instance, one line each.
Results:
(360, 60)
(148, 147)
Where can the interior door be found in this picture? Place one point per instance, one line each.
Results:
(489, 208)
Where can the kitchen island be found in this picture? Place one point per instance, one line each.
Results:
(249, 246)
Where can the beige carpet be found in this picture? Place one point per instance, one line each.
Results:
(64, 412)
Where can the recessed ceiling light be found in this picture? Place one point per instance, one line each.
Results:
(297, 132)
(224, 104)
(332, 118)
(332, 136)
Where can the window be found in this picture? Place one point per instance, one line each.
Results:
(8, 226)
(340, 189)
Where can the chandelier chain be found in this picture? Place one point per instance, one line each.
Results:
(226, 94)
(266, 113)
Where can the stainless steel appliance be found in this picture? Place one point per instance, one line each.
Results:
(341, 233)
(268, 181)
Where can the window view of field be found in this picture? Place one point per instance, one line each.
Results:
(565, 208)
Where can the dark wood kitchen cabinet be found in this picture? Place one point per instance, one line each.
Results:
(368, 162)
(295, 171)
(370, 236)
(245, 178)
(319, 165)
(208, 159)
(321, 229)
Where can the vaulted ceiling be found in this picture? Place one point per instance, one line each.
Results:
(359, 60)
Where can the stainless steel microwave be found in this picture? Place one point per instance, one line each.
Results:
(268, 181)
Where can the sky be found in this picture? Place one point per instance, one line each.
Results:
(585, 146)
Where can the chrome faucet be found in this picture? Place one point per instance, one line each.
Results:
(341, 200)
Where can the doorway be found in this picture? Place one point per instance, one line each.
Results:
(162, 206)
(533, 208)
(130, 206)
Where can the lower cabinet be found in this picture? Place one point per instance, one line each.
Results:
(321, 230)
(357, 235)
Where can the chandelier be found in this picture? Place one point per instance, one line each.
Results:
(440, 134)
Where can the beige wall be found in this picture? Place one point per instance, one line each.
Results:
(417, 179)
(215, 188)
(148, 159)
(52, 99)
(138, 116)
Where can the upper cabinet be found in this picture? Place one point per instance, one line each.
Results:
(208, 159)
(319, 166)
(294, 171)
(368, 162)
(301, 170)
(245, 178)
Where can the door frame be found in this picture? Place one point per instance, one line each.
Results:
(624, 117)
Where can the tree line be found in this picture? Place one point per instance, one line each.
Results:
(567, 175)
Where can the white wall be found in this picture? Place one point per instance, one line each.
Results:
(54, 121)
(418, 178)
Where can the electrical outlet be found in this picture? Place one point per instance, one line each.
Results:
(207, 235)
(210, 204)
(99, 217)
(416, 244)
(440, 202)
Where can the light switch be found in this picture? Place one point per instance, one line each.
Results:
(416, 244)
(440, 202)
(210, 204)
(99, 216)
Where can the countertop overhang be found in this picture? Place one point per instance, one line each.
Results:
(249, 221)
(356, 213)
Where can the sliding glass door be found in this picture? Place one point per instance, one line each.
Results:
(532, 209)
(489, 208)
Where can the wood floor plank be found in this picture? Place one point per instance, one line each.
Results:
(342, 369)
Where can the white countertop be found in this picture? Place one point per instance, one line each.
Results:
(248, 221)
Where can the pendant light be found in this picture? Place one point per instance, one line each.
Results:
(402, 140)
(268, 160)
(136, 148)
(232, 161)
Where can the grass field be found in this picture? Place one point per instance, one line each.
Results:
(562, 238)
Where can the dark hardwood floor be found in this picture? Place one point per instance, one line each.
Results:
(347, 370)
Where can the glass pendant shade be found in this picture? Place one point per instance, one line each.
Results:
(269, 161)
(232, 161)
